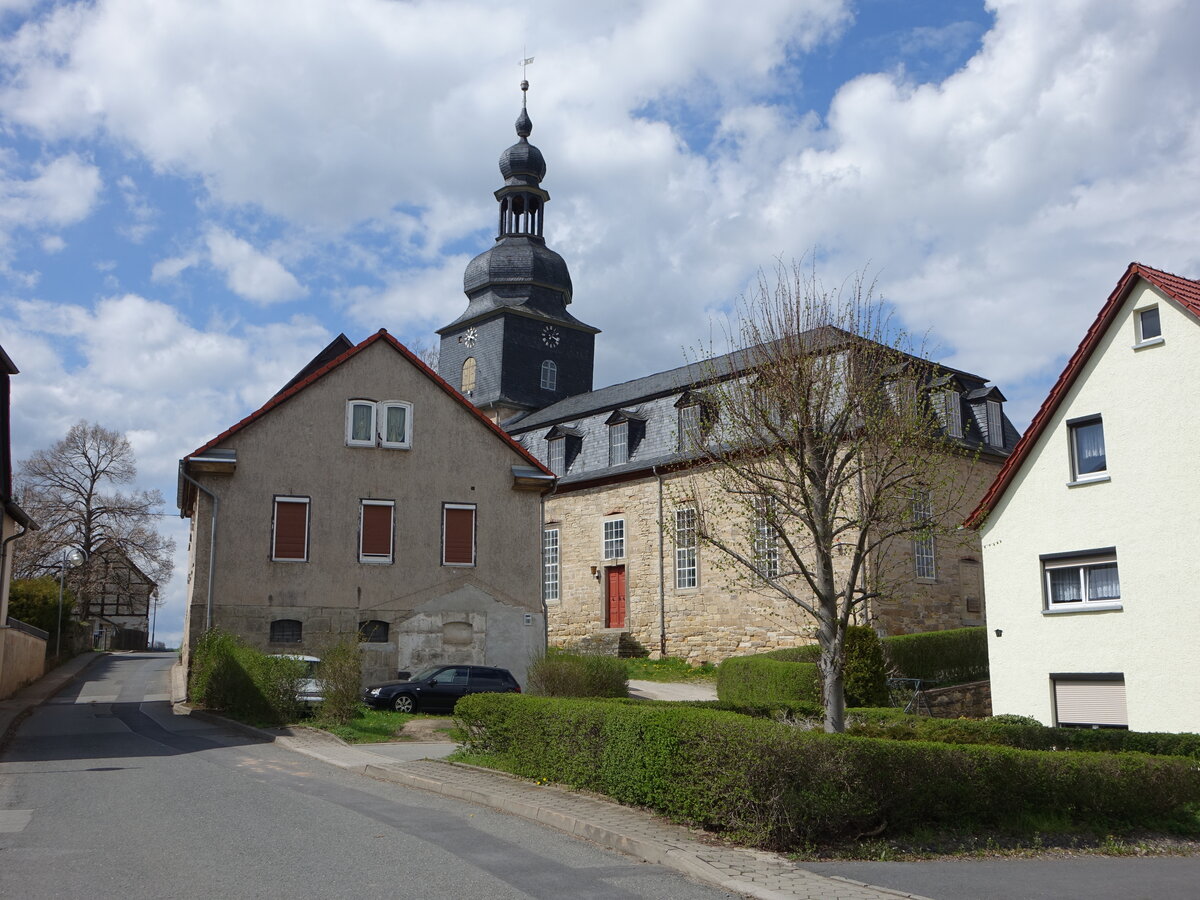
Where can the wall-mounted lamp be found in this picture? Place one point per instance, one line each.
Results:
(999, 632)
(596, 572)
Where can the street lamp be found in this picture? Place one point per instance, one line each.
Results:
(70, 558)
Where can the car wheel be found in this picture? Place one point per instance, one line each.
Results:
(405, 703)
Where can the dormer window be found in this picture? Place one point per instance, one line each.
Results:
(694, 418)
(618, 443)
(549, 380)
(951, 413)
(563, 443)
(995, 424)
(556, 455)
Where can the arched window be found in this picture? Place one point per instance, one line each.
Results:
(373, 631)
(549, 376)
(287, 631)
(468, 376)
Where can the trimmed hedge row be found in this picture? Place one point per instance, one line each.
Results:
(755, 680)
(954, 656)
(775, 786)
(893, 725)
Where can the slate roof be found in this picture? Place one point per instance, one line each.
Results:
(1184, 291)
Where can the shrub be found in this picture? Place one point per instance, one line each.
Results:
(955, 656)
(865, 672)
(244, 683)
(756, 680)
(34, 601)
(563, 674)
(781, 787)
(339, 676)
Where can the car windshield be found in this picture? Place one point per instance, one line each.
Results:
(427, 674)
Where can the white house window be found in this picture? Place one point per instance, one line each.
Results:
(995, 424)
(686, 570)
(550, 559)
(397, 424)
(618, 443)
(614, 539)
(689, 427)
(1085, 581)
(766, 539)
(1088, 459)
(1149, 325)
(360, 423)
(387, 424)
(549, 376)
(556, 454)
(924, 557)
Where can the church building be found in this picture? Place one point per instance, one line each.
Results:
(621, 561)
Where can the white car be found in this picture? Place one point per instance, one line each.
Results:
(309, 692)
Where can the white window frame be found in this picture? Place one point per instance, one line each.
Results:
(351, 440)
(1073, 428)
(405, 444)
(690, 426)
(474, 534)
(687, 562)
(1084, 564)
(556, 455)
(551, 564)
(373, 558)
(924, 548)
(549, 375)
(765, 539)
(995, 423)
(618, 443)
(952, 413)
(1142, 338)
(275, 501)
(613, 535)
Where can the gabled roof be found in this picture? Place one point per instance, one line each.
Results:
(314, 376)
(1183, 291)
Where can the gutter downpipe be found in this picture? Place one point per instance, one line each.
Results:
(662, 596)
(212, 541)
(25, 529)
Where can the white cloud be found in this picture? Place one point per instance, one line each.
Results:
(171, 267)
(249, 273)
(53, 244)
(60, 192)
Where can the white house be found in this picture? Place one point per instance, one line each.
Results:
(1089, 532)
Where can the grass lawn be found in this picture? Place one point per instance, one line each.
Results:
(372, 726)
(669, 669)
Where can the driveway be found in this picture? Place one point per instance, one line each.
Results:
(673, 690)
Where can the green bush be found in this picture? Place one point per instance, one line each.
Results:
(865, 672)
(563, 674)
(955, 656)
(339, 676)
(756, 680)
(248, 685)
(34, 601)
(781, 787)
(1001, 731)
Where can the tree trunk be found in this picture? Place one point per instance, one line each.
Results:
(834, 698)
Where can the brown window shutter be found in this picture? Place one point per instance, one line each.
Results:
(459, 545)
(376, 530)
(291, 529)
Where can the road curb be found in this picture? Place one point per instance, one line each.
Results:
(16, 709)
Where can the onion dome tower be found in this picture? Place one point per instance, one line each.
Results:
(516, 348)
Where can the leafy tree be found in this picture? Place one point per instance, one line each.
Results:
(79, 491)
(821, 439)
(34, 601)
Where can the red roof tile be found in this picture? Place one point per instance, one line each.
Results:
(1183, 290)
(381, 335)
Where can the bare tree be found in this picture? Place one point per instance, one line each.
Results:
(826, 450)
(74, 491)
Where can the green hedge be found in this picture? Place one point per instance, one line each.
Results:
(780, 787)
(562, 674)
(755, 680)
(227, 675)
(955, 656)
(895, 726)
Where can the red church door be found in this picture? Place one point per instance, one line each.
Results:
(615, 609)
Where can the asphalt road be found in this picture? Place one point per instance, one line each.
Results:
(104, 792)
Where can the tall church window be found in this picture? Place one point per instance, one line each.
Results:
(468, 376)
(549, 376)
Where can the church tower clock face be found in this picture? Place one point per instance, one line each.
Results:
(470, 337)
(550, 336)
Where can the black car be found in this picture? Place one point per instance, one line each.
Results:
(438, 689)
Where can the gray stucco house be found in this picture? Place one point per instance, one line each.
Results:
(368, 496)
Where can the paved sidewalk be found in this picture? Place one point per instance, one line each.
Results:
(14, 710)
(673, 690)
(632, 831)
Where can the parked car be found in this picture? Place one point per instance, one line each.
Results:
(437, 689)
(309, 692)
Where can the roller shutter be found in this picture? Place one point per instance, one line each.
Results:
(1090, 702)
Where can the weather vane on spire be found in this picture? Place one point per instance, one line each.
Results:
(525, 61)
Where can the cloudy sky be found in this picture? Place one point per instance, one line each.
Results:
(196, 196)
